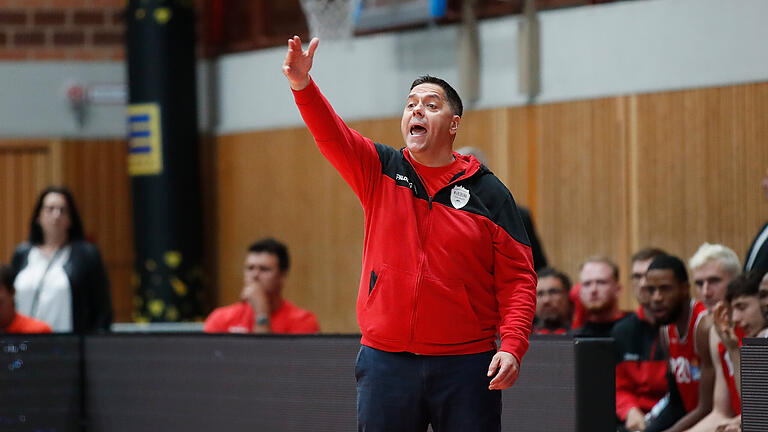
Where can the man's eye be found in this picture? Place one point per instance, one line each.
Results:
(433, 106)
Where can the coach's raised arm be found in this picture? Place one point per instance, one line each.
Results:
(446, 263)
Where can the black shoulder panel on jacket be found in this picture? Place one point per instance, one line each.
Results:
(395, 166)
(490, 198)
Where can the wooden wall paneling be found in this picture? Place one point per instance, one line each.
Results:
(702, 154)
(581, 184)
(24, 172)
(277, 183)
(96, 172)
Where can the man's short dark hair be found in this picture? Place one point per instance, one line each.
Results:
(6, 278)
(552, 272)
(647, 253)
(745, 284)
(670, 262)
(274, 247)
(457, 108)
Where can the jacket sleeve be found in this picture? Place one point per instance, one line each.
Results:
(625, 388)
(515, 288)
(19, 259)
(99, 293)
(353, 155)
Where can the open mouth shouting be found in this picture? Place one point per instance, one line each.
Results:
(417, 129)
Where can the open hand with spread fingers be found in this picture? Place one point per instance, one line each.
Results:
(298, 62)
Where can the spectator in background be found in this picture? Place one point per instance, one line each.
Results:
(641, 370)
(757, 255)
(599, 294)
(10, 320)
(553, 308)
(713, 266)
(60, 277)
(685, 337)
(737, 317)
(262, 308)
(539, 259)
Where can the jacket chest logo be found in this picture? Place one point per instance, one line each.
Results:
(459, 196)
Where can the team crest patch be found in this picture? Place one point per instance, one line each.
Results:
(459, 196)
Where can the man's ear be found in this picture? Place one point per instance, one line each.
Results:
(455, 121)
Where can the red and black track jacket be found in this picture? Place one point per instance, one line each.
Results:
(641, 370)
(436, 279)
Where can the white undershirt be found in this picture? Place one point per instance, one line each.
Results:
(54, 302)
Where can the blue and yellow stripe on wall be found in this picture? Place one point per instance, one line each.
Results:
(145, 150)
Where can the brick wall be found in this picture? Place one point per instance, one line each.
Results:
(62, 30)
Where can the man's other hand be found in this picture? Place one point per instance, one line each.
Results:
(297, 62)
(635, 420)
(506, 367)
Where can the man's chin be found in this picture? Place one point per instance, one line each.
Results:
(596, 308)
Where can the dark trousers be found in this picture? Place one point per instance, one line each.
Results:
(404, 392)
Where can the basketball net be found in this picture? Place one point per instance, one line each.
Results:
(330, 19)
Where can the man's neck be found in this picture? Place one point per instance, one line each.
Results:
(434, 159)
(275, 301)
(682, 321)
(609, 315)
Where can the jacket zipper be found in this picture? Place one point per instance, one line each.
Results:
(423, 258)
(422, 261)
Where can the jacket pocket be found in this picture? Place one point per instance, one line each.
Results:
(444, 314)
(387, 311)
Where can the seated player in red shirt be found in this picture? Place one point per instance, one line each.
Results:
(553, 307)
(10, 320)
(737, 317)
(262, 308)
(685, 337)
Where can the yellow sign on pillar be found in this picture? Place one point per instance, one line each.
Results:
(145, 149)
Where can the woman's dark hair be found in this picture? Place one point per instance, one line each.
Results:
(75, 231)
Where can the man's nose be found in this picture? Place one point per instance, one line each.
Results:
(706, 290)
(656, 296)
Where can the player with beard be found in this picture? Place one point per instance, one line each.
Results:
(641, 379)
(599, 293)
(553, 306)
(685, 337)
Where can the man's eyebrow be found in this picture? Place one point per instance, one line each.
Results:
(426, 95)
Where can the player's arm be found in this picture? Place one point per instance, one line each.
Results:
(721, 409)
(707, 382)
(353, 155)
(724, 327)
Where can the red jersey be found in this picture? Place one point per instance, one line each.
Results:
(239, 318)
(684, 360)
(728, 372)
(24, 324)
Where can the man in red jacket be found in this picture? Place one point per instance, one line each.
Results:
(447, 264)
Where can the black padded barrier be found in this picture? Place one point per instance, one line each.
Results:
(754, 385)
(40, 383)
(216, 383)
